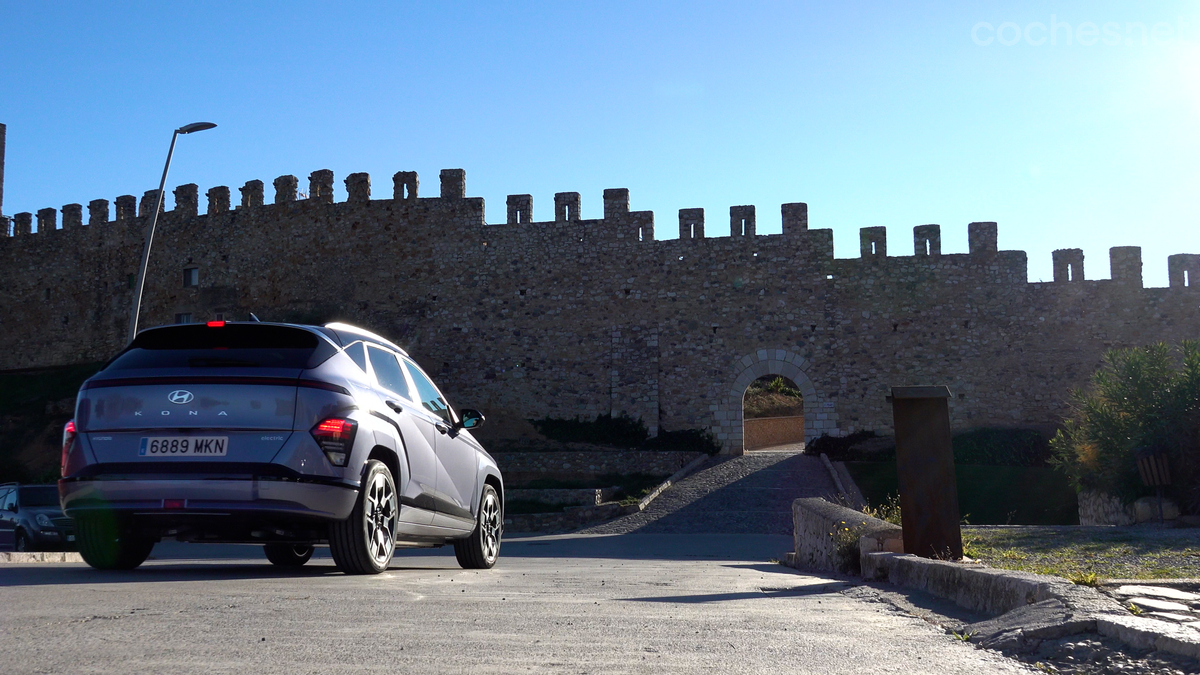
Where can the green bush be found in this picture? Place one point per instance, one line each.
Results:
(838, 448)
(695, 440)
(1145, 398)
(621, 431)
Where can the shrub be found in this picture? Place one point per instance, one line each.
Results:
(696, 440)
(838, 447)
(621, 431)
(1142, 398)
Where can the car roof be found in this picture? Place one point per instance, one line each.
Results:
(341, 334)
(347, 334)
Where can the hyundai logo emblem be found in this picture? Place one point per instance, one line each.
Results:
(180, 396)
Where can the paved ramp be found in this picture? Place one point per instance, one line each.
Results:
(751, 494)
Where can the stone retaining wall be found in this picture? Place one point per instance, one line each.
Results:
(521, 467)
(1097, 508)
(829, 537)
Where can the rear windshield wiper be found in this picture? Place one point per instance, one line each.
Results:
(213, 362)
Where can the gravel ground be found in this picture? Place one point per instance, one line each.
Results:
(1143, 552)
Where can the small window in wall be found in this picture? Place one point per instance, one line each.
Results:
(183, 318)
(191, 277)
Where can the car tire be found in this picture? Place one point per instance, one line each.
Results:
(481, 550)
(21, 542)
(288, 555)
(365, 542)
(105, 545)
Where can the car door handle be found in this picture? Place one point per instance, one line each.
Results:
(394, 405)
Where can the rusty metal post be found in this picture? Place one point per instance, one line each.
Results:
(925, 465)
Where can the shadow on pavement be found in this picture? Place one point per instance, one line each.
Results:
(173, 562)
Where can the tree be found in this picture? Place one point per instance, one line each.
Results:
(1141, 399)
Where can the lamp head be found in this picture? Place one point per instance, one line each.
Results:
(194, 126)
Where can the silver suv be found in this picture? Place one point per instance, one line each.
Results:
(286, 435)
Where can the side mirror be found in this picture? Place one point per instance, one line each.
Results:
(471, 419)
(12, 507)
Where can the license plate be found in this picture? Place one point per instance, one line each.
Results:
(70, 537)
(184, 446)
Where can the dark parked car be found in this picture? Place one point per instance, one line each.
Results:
(31, 519)
(286, 435)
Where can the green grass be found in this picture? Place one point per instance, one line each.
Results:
(1088, 555)
(987, 495)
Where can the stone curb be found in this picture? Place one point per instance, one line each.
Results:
(1030, 606)
(41, 557)
(679, 475)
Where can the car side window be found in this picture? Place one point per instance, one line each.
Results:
(428, 394)
(10, 500)
(358, 353)
(387, 371)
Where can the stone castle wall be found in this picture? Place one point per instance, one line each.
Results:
(579, 317)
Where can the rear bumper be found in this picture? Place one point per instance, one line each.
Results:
(237, 498)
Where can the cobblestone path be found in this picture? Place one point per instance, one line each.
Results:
(751, 494)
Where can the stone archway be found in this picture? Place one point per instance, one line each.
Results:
(820, 413)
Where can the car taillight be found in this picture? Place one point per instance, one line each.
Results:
(336, 438)
(215, 324)
(68, 441)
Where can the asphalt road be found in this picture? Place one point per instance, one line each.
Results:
(640, 603)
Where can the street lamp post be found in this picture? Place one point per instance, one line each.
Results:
(162, 184)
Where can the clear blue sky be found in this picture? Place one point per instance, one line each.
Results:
(873, 113)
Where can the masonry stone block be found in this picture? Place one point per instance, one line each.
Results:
(1125, 265)
(795, 218)
(149, 201)
(218, 200)
(927, 240)
(358, 187)
(741, 221)
(1068, 265)
(126, 208)
(1183, 270)
(454, 183)
(566, 206)
(872, 242)
(72, 216)
(404, 186)
(252, 194)
(691, 223)
(520, 209)
(22, 224)
(97, 212)
(320, 186)
(186, 200)
(285, 189)
(616, 203)
(47, 220)
(982, 238)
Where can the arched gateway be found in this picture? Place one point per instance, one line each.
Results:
(820, 413)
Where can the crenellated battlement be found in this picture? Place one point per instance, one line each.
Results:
(619, 223)
(577, 316)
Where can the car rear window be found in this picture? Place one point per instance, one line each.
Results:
(228, 346)
(39, 496)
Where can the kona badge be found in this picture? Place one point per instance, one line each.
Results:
(180, 396)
